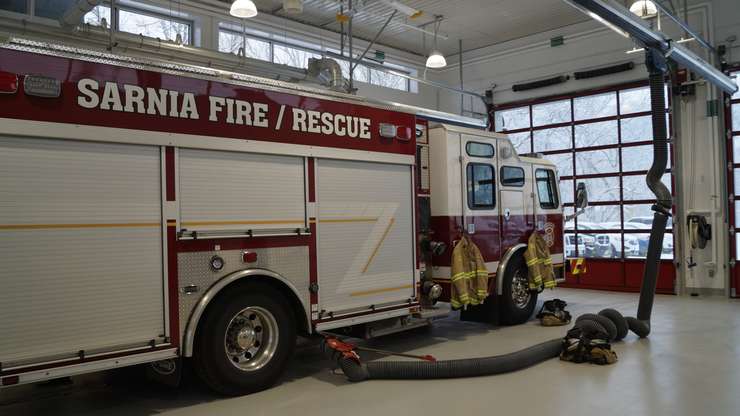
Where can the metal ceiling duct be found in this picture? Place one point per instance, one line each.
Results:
(325, 71)
(617, 17)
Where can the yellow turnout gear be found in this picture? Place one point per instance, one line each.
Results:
(469, 275)
(539, 263)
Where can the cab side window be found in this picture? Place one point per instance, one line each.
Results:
(547, 190)
(512, 176)
(480, 184)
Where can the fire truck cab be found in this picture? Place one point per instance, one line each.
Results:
(152, 212)
(480, 186)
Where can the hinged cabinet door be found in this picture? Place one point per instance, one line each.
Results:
(365, 234)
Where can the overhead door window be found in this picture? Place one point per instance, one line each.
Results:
(733, 124)
(605, 141)
(480, 186)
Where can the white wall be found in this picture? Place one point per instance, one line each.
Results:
(589, 45)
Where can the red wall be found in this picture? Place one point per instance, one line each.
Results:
(620, 275)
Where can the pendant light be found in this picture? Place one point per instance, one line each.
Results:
(644, 9)
(243, 9)
(436, 59)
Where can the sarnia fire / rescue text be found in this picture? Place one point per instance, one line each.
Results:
(169, 103)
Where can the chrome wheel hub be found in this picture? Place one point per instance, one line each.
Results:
(251, 338)
(246, 338)
(520, 290)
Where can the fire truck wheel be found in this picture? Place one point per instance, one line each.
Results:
(245, 341)
(517, 302)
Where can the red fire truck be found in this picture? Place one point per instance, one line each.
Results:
(151, 212)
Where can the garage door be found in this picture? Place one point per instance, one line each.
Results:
(80, 248)
(365, 233)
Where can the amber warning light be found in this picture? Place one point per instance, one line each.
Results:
(8, 83)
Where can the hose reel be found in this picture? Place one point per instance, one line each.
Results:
(700, 232)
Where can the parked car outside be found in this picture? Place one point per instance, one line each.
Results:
(571, 241)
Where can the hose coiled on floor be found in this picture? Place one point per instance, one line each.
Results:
(468, 367)
(609, 322)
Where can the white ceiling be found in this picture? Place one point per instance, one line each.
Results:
(477, 22)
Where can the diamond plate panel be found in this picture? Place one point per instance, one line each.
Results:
(195, 269)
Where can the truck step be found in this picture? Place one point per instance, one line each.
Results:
(438, 311)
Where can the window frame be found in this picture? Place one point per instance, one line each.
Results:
(470, 192)
(29, 11)
(517, 168)
(243, 36)
(115, 23)
(229, 27)
(552, 183)
(189, 23)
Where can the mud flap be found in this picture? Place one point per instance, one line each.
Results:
(488, 312)
(166, 372)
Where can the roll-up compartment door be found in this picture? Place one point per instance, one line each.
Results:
(240, 191)
(80, 248)
(365, 234)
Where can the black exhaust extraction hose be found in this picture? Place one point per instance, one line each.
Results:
(657, 67)
(468, 367)
(609, 322)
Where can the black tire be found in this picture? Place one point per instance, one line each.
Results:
(511, 311)
(618, 321)
(215, 367)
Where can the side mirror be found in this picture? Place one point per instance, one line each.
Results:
(581, 196)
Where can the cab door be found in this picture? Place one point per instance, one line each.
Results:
(517, 213)
(481, 217)
(548, 212)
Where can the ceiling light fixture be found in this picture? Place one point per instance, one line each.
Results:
(243, 9)
(644, 9)
(436, 59)
(293, 6)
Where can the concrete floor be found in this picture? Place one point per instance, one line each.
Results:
(690, 365)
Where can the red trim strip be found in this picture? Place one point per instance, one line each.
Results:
(313, 272)
(311, 179)
(169, 170)
(189, 246)
(173, 284)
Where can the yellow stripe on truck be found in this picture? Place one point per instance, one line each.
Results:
(383, 290)
(8, 227)
(242, 222)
